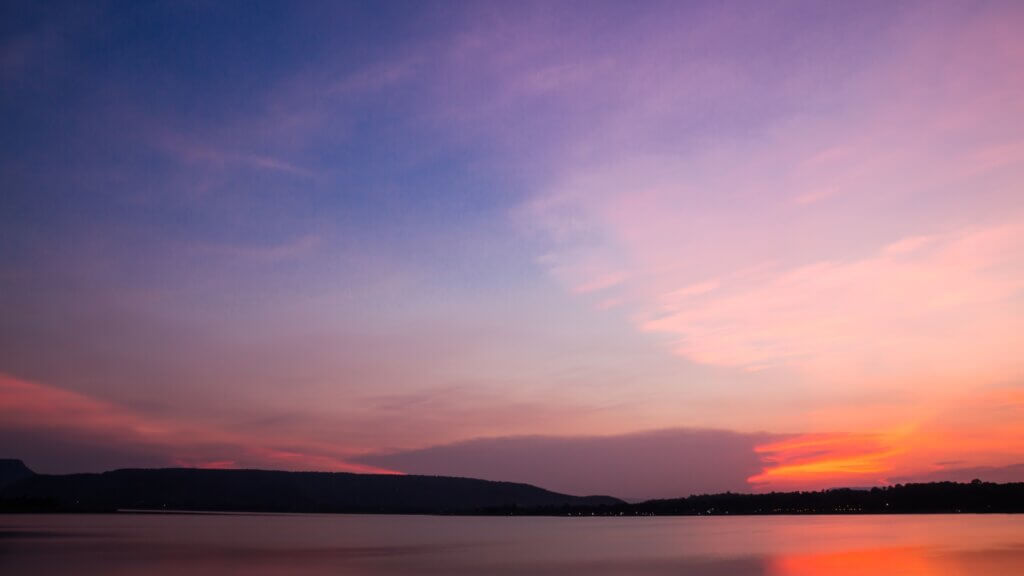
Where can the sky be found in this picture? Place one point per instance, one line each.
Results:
(643, 249)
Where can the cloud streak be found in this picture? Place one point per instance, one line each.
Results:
(911, 305)
(866, 236)
(28, 407)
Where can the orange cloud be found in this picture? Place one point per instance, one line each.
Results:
(975, 430)
(813, 461)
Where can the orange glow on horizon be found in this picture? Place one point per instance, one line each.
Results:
(814, 461)
(951, 438)
(980, 429)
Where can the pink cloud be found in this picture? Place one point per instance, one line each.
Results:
(908, 245)
(816, 195)
(192, 150)
(910, 270)
(599, 283)
(896, 312)
(856, 264)
(296, 248)
(693, 290)
(33, 407)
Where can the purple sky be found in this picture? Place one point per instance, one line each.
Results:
(690, 246)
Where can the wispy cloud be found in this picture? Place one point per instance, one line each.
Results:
(816, 460)
(29, 406)
(895, 313)
(289, 250)
(190, 150)
(376, 77)
(888, 219)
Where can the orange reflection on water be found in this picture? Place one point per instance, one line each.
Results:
(865, 562)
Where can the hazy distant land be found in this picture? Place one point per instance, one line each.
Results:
(189, 489)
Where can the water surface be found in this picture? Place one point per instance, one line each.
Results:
(160, 544)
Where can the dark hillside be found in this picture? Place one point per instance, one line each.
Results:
(273, 491)
(12, 470)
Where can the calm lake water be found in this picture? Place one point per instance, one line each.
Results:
(369, 545)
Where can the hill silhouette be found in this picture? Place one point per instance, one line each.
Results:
(12, 470)
(276, 491)
(184, 489)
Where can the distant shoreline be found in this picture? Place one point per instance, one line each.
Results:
(517, 513)
(222, 492)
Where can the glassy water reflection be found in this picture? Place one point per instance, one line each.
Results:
(369, 545)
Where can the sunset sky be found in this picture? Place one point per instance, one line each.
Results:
(645, 249)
